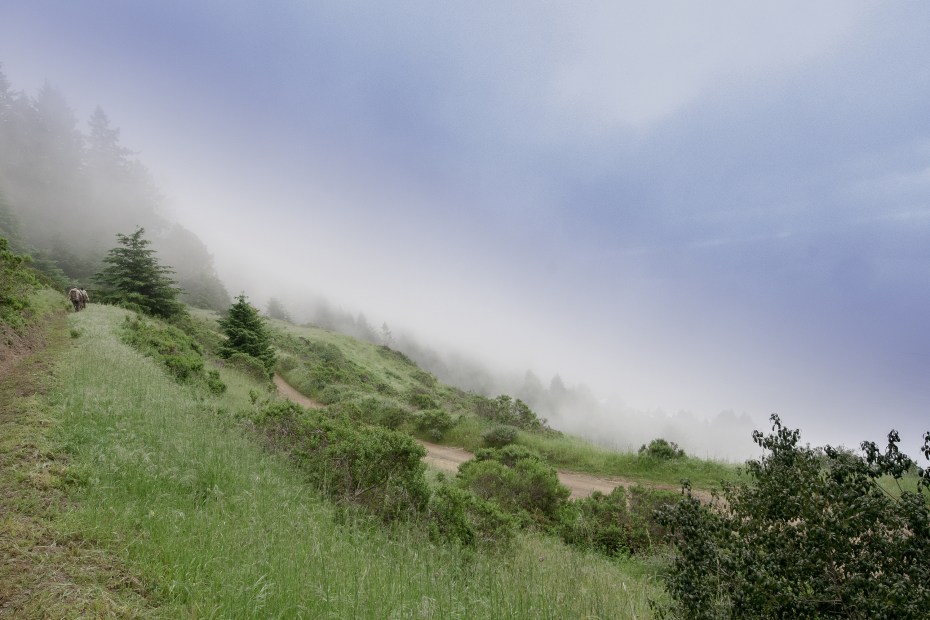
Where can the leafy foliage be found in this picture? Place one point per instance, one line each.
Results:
(133, 278)
(459, 516)
(247, 334)
(17, 281)
(506, 410)
(180, 354)
(435, 422)
(662, 449)
(619, 523)
(375, 468)
(518, 481)
(807, 534)
(499, 435)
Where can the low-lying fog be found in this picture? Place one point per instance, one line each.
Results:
(688, 217)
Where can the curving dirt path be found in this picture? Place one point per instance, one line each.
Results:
(448, 458)
(288, 392)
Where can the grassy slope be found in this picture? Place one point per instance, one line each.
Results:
(563, 451)
(44, 573)
(165, 487)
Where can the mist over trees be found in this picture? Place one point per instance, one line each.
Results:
(65, 193)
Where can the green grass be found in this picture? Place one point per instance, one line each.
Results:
(573, 453)
(162, 478)
(43, 573)
(373, 365)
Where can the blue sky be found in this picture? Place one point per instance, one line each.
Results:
(688, 206)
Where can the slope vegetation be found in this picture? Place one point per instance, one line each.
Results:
(164, 483)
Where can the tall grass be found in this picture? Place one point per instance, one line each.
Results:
(218, 528)
(578, 454)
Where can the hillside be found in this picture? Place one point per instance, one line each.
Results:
(165, 507)
(382, 385)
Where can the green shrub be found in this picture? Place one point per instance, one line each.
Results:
(17, 281)
(598, 523)
(518, 481)
(249, 365)
(506, 410)
(392, 415)
(662, 450)
(287, 363)
(214, 383)
(435, 421)
(166, 344)
(499, 435)
(378, 469)
(621, 522)
(421, 399)
(806, 534)
(454, 514)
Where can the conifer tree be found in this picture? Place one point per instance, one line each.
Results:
(134, 278)
(246, 332)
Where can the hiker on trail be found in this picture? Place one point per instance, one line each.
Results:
(79, 298)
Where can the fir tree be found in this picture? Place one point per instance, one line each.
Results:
(134, 278)
(247, 333)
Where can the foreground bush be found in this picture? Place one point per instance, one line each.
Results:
(619, 523)
(457, 515)
(807, 534)
(376, 468)
(518, 481)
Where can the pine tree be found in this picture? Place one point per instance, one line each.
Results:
(134, 278)
(246, 332)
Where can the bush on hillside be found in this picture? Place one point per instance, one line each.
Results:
(364, 407)
(457, 515)
(166, 344)
(499, 435)
(17, 281)
(806, 534)
(435, 422)
(378, 469)
(421, 399)
(662, 450)
(518, 481)
(173, 349)
(246, 364)
(619, 523)
(506, 410)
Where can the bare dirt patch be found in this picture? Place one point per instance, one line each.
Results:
(288, 392)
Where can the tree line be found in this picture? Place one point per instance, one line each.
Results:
(65, 193)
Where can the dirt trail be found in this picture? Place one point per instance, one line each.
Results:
(448, 458)
(288, 392)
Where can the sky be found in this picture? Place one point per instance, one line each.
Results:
(700, 207)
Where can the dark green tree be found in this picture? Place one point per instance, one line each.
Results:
(247, 333)
(134, 278)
